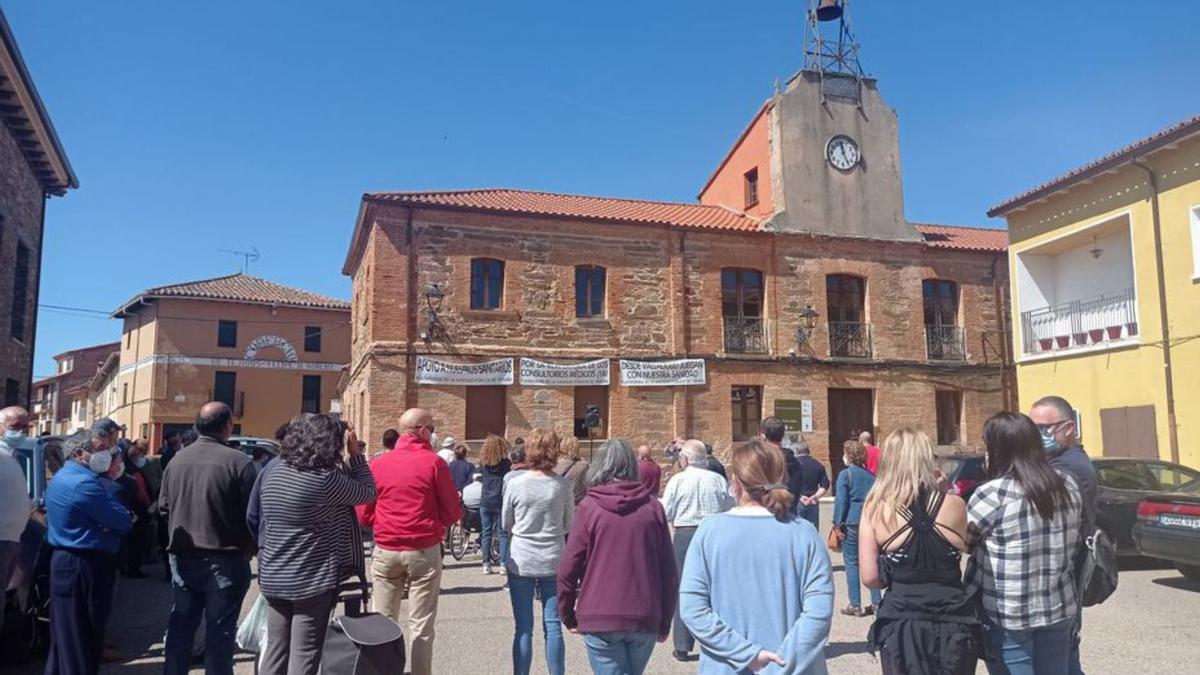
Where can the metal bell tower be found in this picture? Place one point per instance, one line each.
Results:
(831, 50)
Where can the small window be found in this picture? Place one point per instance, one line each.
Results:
(746, 409)
(310, 395)
(66, 365)
(145, 430)
(751, 187)
(487, 283)
(312, 338)
(128, 339)
(226, 333)
(224, 387)
(949, 417)
(125, 394)
(589, 291)
(20, 293)
(12, 392)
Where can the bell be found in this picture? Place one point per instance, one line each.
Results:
(829, 10)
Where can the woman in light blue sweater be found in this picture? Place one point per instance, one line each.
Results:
(756, 590)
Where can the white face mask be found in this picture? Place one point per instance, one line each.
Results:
(100, 461)
(845, 460)
(140, 461)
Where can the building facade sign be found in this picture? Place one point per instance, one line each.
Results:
(433, 371)
(265, 341)
(662, 373)
(589, 373)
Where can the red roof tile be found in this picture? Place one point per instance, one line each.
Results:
(504, 200)
(239, 288)
(964, 238)
(1109, 161)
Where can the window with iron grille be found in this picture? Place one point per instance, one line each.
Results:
(226, 333)
(941, 302)
(589, 291)
(844, 298)
(310, 396)
(487, 283)
(312, 338)
(742, 310)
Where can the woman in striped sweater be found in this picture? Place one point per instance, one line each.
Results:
(306, 540)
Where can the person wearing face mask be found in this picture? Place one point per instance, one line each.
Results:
(1055, 420)
(136, 497)
(416, 501)
(85, 525)
(15, 506)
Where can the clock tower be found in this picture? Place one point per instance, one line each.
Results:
(828, 143)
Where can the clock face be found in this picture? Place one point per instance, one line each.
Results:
(842, 152)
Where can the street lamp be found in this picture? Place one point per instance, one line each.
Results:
(433, 302)
(808, 323)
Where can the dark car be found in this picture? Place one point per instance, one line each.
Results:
(1168, 528)
(259, 449)
(964, 472)
(1124, 483)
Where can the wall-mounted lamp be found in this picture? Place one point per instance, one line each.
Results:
(433, 302)
(808, 323)
(1096, 250)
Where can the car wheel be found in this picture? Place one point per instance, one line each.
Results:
(1190, 571)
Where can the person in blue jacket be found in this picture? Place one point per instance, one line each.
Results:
(853, 485)
(85, 522)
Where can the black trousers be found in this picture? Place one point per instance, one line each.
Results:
(81, 589)
(680, 637)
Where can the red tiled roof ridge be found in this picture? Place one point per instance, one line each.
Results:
(1163, 137)
(548, 193)
(983, 228)
(240, 287)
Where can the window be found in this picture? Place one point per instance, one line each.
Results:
(1196, 242)
(741, 310)
(487, 283)
(486, 411)
(226, 333)
(746, 408)
(125, 394)
(751, 187)
(20, 293)
(1171, 476)
(128, 339)
(310, 396)
(224, 387)
(12, 392)
(145, 427)
(949, 417)
(66, 365)
(1123, 476)
(589, 291)
(844, 298)
(77, 410)
(312, 338)
(941, 302)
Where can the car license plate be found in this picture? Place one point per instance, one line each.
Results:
(1176, 520)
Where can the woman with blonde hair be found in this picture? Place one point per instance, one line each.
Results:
(853, 485)
(538, 507)
(493, 465)
(911, 540)
(756, 589)
(571, 467)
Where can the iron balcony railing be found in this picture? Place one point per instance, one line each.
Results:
(745, 335)
(1080, 323)
(945, 343)
(850, 339)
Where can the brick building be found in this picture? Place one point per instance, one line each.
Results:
(33, 167)
(794, 287)
(60, 401)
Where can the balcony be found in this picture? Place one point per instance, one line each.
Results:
(850, 339)
(745, 335)
(945, 343)
(1080, 324)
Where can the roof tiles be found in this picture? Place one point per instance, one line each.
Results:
(241, 288)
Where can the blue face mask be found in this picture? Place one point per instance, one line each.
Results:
(1049, 442)
(13, 435)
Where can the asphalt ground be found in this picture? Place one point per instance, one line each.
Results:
(1151, 625)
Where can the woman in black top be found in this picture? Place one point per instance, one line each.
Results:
(494, 463)
(912, 538)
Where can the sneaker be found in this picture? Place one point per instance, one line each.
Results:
(869, 610)
(851, 610)
(682, 657)
(487, 569)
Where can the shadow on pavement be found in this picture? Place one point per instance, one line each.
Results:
(836, 649)
(1142, 563)
(467, 590)
(1180, 582)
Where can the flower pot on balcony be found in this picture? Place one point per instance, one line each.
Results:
(1096, 334)
(1046, 344)
(1080, 339)
(1063, 341)
(1131, 329)
(1114, 332)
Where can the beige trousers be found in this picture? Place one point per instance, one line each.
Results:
(422, 571)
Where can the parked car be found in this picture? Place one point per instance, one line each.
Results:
(964, 472)
(1168, 528)
(260, 450)
(1123, 483)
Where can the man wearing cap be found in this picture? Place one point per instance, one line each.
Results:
(447, 450)
(204, 495)
(85, 523)
(14, 498)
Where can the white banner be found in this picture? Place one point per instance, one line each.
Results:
(590, 373)
(432, 371)
(662, 373)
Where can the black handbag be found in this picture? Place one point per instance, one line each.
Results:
(371, 644)
(1098, 574)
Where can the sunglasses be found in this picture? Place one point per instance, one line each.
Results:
(1051, 426)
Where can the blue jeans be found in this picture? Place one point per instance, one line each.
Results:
(619, 653)
(850, 559)
(489, 521)
(520, 591)
(1037, 651)
(811, 513)
(212, 586)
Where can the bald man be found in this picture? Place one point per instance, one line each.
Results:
(649, 472)
(416, 502)
(14, 497)
(872, 452)
(692, 494)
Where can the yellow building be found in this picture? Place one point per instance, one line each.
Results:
(267, 350)
(1105, 270)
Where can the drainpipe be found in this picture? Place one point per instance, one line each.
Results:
(1172, 431)
(1007, 379)
(410, 358)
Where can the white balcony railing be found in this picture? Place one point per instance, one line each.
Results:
(1080, 323)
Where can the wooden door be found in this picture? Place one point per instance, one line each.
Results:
(851, 412)
(1129, 432)
(486, 411)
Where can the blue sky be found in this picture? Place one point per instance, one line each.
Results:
(198, 126)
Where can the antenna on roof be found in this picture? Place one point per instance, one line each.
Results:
(247, 256)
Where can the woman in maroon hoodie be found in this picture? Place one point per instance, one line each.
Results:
(617, 578)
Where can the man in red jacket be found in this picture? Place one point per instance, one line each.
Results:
(416, 503)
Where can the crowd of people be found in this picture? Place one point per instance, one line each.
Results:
(729, 559)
